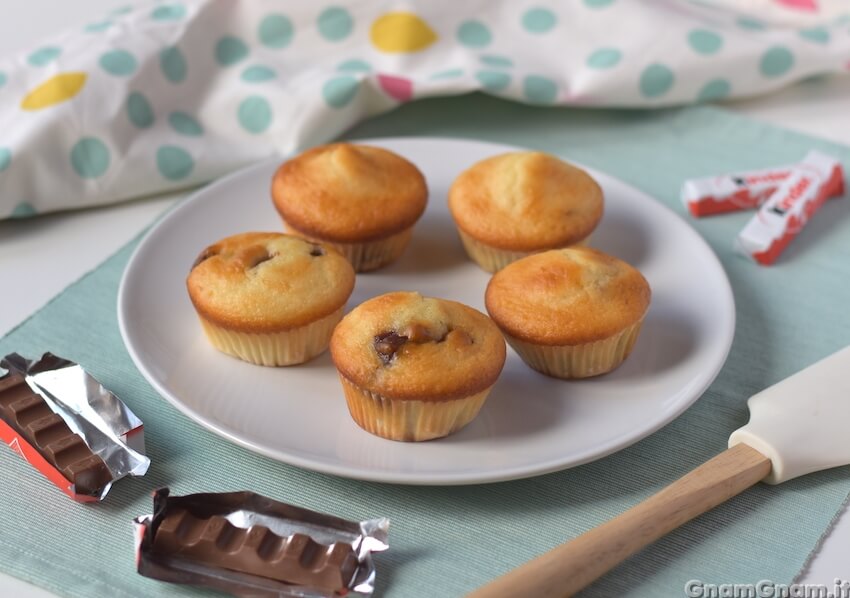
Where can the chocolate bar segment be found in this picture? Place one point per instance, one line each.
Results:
(296, 559)
(30, 416)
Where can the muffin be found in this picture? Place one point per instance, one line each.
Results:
(269, 298)
(362, 200)
(513, 205)
(416, 368)
(569, 313)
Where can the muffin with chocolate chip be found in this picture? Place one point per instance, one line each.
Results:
(362, 200)
(270, 298)
(414, 367)
(513, 205)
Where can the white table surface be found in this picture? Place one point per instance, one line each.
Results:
(52, 251)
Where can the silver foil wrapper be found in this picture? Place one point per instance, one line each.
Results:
(108, 427)
(246, 510)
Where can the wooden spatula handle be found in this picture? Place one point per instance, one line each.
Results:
(568, 568)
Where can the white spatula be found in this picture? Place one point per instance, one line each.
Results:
(796, 427)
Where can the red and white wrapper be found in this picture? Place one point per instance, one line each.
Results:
(742, 190)
(789, 208)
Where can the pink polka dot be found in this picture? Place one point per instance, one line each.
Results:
(396, 87)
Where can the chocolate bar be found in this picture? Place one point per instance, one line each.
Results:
(28, 414)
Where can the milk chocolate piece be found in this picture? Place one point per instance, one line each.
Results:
(31, 417)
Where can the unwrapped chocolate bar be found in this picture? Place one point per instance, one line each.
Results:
(67, 425)
(249, 545)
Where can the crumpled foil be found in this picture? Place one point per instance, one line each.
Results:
(89, 410)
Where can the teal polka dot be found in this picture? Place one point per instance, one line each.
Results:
(777, 61)
(704, 42)
(255, 114)
(539, 90)
(598, 3)
(604, 58)
(750, 23)
(258, 73)
(474, 34)
(2, 78)
(168, 12)
(276, 31)
(447, 74)
(339, 92)
(656, 80)
(493, 80)
(355, 66)
(229, 50)
(174, 163)
(185, 124)
(714, 90)
(139, 111)
(818, 35)
(121, 10)
(173, 64)
(44, 56)
(842, 20)
(335, 24)
(539, 20)
(97, 27)
(90, 157)
(5, 158)
(118, 62)
(23, 210)
(497, 61)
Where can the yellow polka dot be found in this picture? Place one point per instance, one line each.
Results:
(401, 32)
(55, 90)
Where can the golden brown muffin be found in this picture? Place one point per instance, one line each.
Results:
(512, 205)
(569, 313)
(362, 200)
(416, 368)
(270, 298)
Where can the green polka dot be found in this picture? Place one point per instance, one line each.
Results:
(714, 90)
(335, 24)
(97, 27)
(174, 163)
(447, 74)
(5, 158)
(185, 124)
(276, 31)
(173, 64)
(255, 114)
(168, 12)
(339, 92)
(258, 73)
(539, 20)
(23, 210)
(818, 35)
(656, 80)
(229, 50)
(118, 62)
(2, 78)
(90, 157)
(704, 42)
(598, 3)
(750, 23)
(497, 61)
(777, 61)
(44, 56)
(354, 66)
(842, 20)
(493, 80)
(539, 90)
(139, 111)
(474, 34)
(604, 58)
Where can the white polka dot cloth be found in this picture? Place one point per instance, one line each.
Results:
(158, 96)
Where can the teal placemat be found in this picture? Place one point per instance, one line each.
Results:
(446, 541)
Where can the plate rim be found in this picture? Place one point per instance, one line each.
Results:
(428, 479)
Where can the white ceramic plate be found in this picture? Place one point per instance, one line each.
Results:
(530, 425)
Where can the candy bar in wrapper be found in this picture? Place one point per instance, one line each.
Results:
(787, 211)
(746, 190)
(249, 545)
(67, 425)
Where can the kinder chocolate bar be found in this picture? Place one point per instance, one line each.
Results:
(245, 544)
(744, 190)
(61, 420)
(787, 211)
